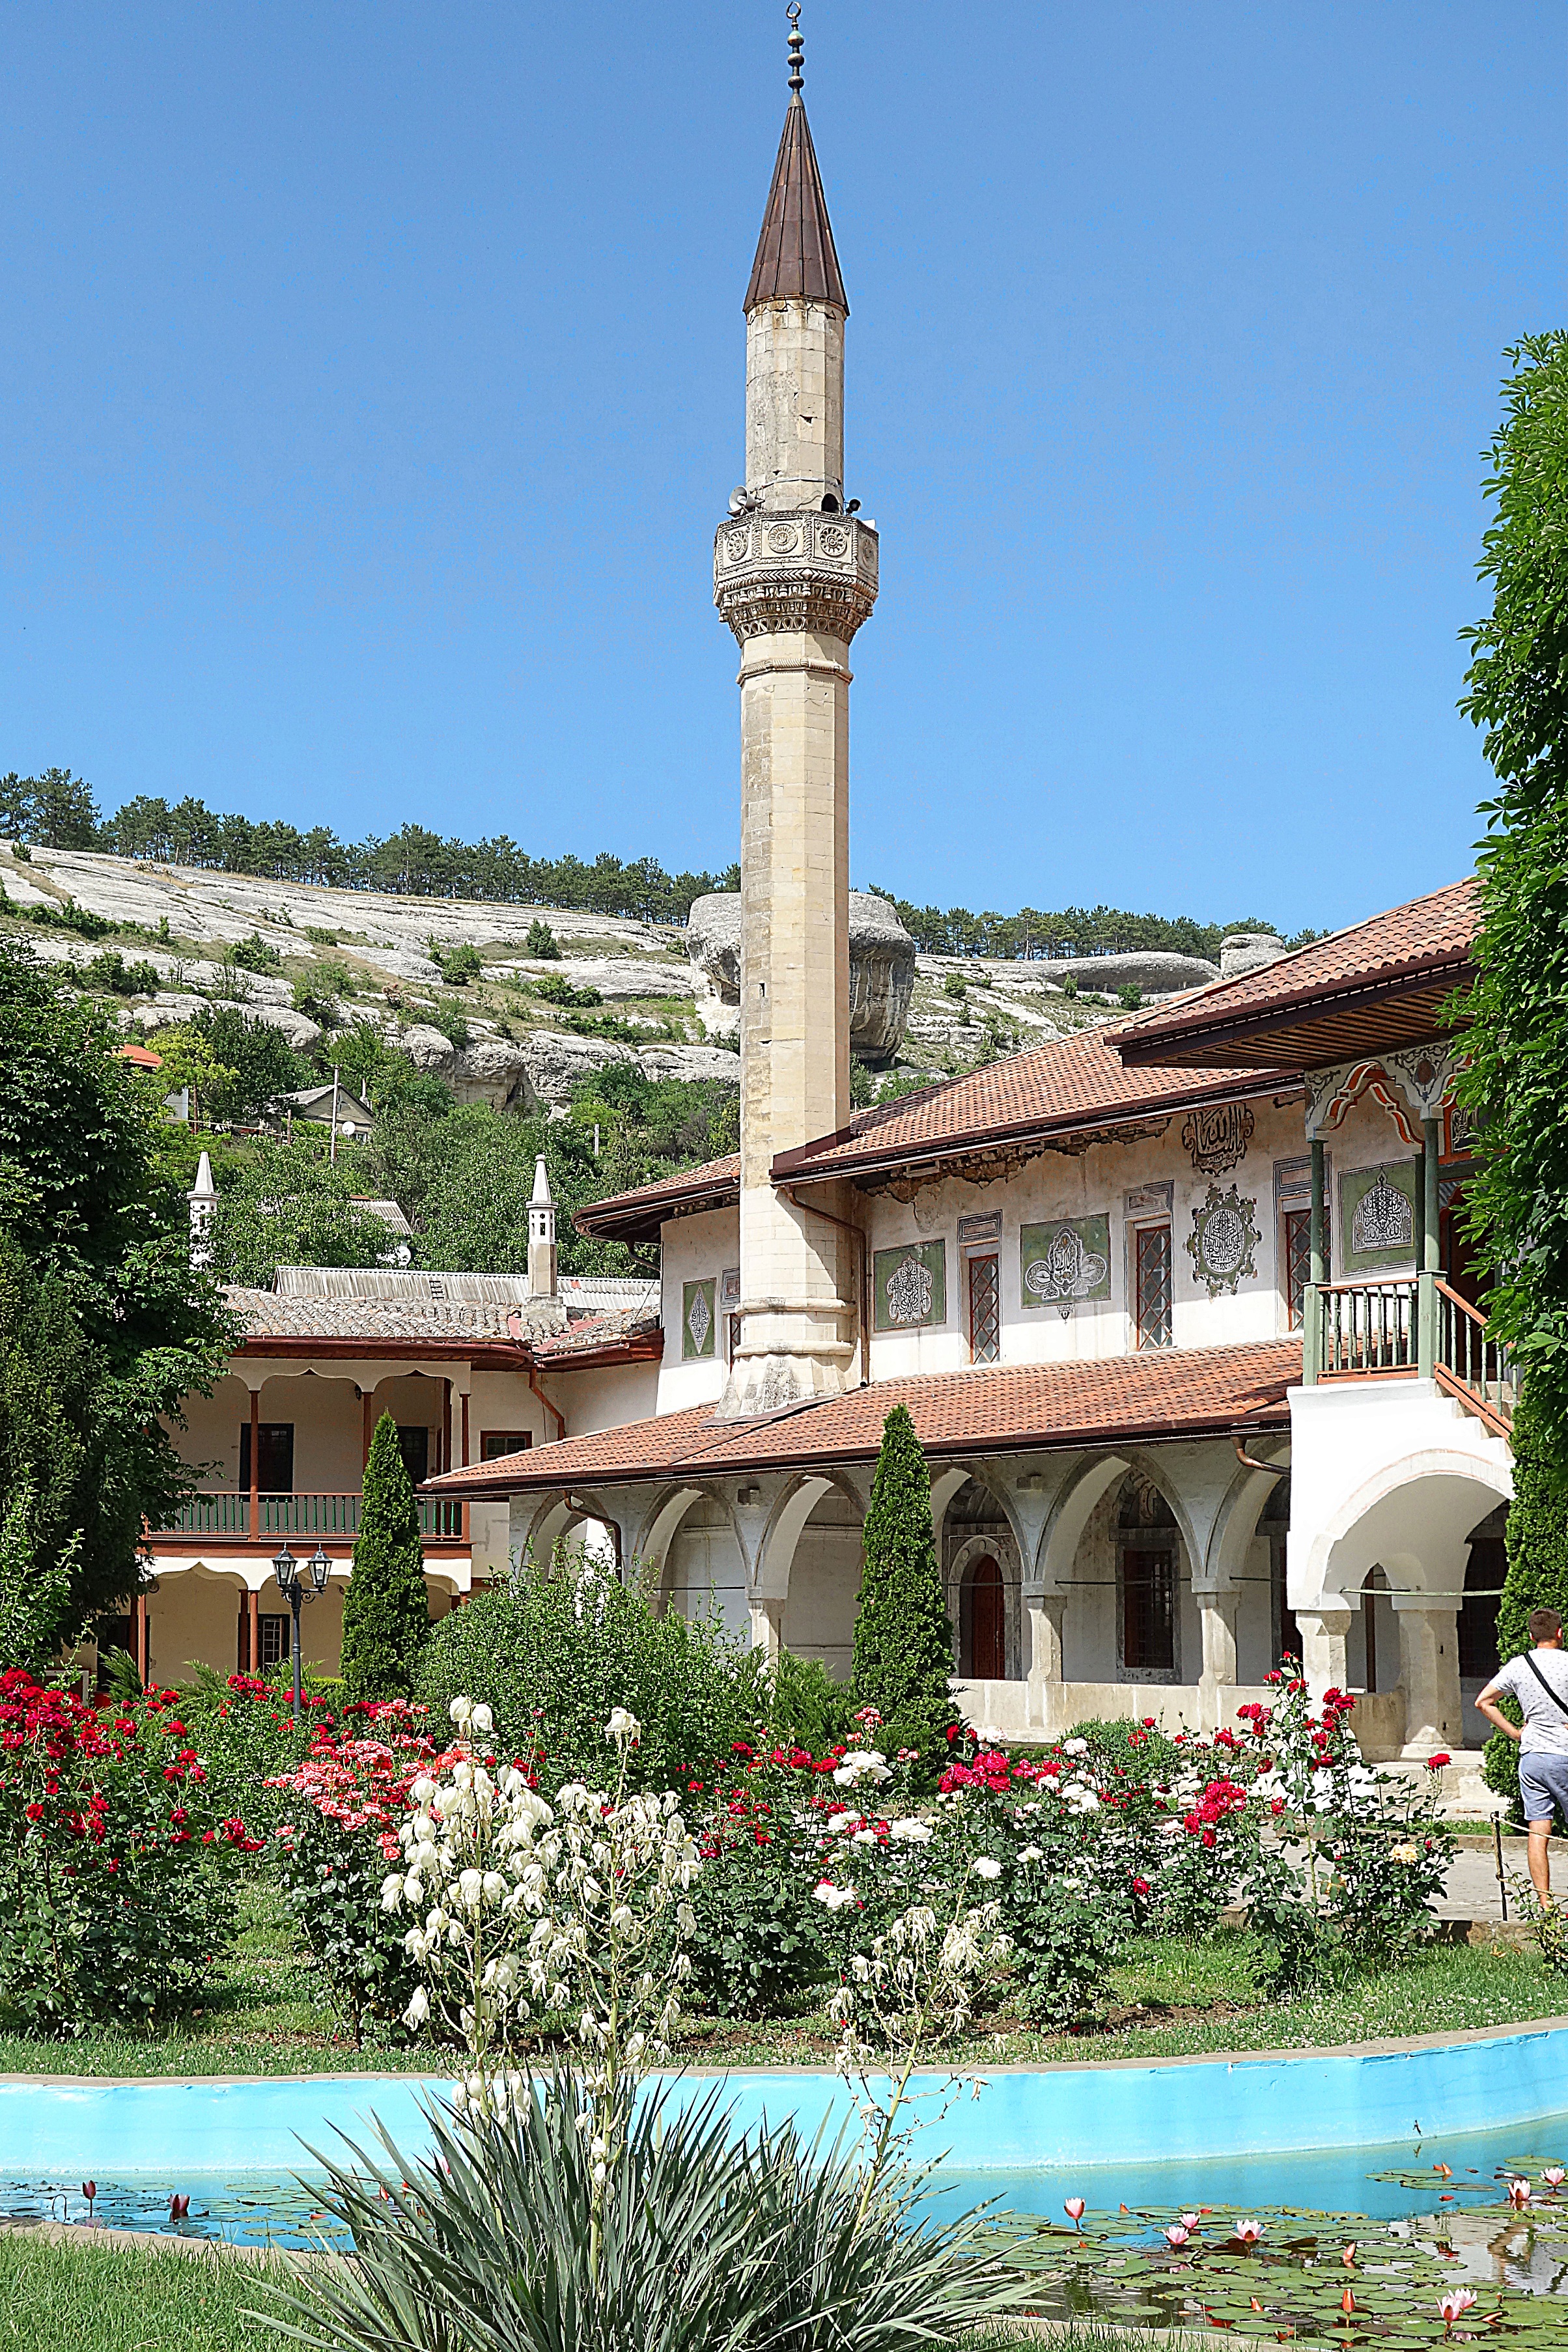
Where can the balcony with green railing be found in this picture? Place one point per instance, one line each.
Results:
(1411, 1325)
(232, 1515)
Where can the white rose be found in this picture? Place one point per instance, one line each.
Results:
(911, 1831)
(1074, 1747)
(984, 1867)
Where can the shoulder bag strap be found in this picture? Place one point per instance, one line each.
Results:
(1554, 1696)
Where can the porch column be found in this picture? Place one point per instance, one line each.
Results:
(767, 1628)
(1324, 1634)
(253, 1610)
(1311, 1313)
(1045, 1612)
(256, 1465)
(1217, 1617)
(1429, 1672)
(1427, 1237)
(465, 1460)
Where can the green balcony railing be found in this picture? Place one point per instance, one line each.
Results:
(1415, 1324)
(241, 1517)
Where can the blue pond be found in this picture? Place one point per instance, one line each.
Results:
(1308, 2130)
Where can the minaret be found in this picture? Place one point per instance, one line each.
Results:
(542, 1278)
(795, 575)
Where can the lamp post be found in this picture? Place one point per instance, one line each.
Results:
(297, 1588)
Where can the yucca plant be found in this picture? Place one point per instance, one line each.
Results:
(703, 2243)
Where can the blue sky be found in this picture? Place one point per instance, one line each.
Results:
(372, 384)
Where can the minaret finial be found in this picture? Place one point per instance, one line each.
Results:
(796, 48)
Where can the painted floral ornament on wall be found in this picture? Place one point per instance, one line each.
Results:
(1222, 1243)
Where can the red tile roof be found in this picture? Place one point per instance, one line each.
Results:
(1379, 983)
(1058, 1088)
(637, 1215)
(1175, 1393)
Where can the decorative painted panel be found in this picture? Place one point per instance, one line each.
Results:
(1222, 1243)
(698, 1320)
(1065, 1263)
(1377, 1216)
(909, 1286)
(1218, 1137)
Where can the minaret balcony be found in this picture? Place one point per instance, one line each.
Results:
(775, 574)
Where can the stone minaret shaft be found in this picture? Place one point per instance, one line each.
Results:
(793, 576)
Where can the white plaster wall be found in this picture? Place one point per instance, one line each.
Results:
(825, 1587)
(705, 1569)
(1385, 1471)
(498, 1400)
(696, 1249)
(607, 1396)
(1096, 1183)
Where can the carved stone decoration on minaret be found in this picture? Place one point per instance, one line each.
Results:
(795, 575)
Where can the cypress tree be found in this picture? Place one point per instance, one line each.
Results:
(386, 1613)
(1536, 1577)
(903, 1638)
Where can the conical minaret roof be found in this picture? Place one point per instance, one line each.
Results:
(795, 252)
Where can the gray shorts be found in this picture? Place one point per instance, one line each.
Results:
(1544, 1785)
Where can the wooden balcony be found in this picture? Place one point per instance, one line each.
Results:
(1412, 1327)
(231, 1519)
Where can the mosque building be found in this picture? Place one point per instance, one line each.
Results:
(1179, 1305)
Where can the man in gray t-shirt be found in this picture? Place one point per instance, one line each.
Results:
(1539, 1681)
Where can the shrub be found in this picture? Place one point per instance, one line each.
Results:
(1130, 996)
(460, 964)
(67, 916)
(114, 1891)
(807, 1707)
(320, 937)
(256, 954)
(453, 1025)
(243, 1727)
(556, 989)
(904, 1639)
(110, 969)
(386, 1611)
(955, 986)
(541, 941)
(756, 1942)
(552, 1655)
(1536, 1577)
(342, 1803)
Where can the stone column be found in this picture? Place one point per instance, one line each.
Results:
(1216, 1616)
(1045, 1612)
(767, 1628)
(1429, 1672)
(1324, 1634)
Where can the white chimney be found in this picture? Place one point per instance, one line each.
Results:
(541, 1236)
(203, 1198)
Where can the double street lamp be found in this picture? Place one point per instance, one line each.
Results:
(299, 1581)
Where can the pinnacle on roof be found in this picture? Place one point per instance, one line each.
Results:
(796, 256)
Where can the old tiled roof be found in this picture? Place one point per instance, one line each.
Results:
(503, 1328)
(624, 1335)
(1379, 985)
(1058, 1089)
(439, 1323)
(1175, 1392)
(638, 1214)
(795, 252)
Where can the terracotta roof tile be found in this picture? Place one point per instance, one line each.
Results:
(1060, 1088)
(1426, 937)
(1177, 1392)
(626, 1214)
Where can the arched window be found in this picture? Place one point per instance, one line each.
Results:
(982, 1623)
(1146, 1552)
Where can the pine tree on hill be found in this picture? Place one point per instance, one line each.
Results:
(386, 1613)
(903, 1638)
(1537, 1576)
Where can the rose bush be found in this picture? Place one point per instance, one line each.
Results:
(115, 1858)
(341, 1805)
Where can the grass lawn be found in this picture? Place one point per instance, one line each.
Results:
(88, 2298)
(264, 2013)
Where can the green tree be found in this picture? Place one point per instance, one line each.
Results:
(62, 810)
(541, 942)
(903, 1638)
(1536, 1577)
(386, 1613)
(289, 1204)
(104, 1328)
(255, 1061)
(1516, 1033)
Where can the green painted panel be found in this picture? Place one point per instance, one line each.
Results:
(699, 1319)
(911, 1286)
(1377, 1216)
(1065, 1262)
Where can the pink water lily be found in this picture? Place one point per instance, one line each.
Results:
(1554, 2176)
(1454, 2305)
(1175, 2235)
(1518, 2194)
(1248, 2231)
(1073, 2208)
